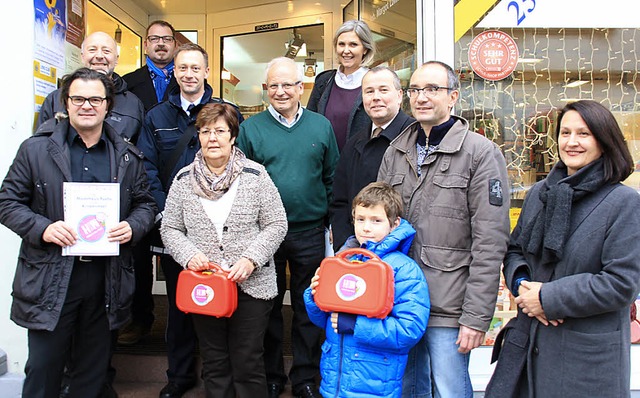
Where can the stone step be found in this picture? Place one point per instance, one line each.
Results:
(143, 376)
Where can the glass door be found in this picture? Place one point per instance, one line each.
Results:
(239, 71)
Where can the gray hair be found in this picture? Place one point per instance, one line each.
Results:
(283, 60)
(364, 34)
(396, 80)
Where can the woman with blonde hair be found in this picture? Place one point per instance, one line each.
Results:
(337, 94)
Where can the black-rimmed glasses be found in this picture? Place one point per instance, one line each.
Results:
(156, 39)
(78, 100)
(429, 91)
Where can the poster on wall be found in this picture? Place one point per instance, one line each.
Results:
(50, 32)
(76, 22)
(51, 28)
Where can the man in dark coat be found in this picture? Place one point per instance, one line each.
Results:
(100, 53)
(155, 80)
(70, 304)
(152, 84)
(361, 156)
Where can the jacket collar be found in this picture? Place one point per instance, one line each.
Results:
(119, 83)
(60, 130)
(399, 239)
(451, 143)
(390, 133)
(174, 96)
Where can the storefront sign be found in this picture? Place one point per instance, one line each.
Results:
(493, 55)
(269, 26)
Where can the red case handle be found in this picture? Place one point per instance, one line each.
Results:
(357, 250)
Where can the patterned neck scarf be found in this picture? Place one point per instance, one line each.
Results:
(160, 76)
(210, 186)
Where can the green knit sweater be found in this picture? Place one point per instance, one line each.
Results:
(300, 160)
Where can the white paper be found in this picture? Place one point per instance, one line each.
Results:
(92, 209)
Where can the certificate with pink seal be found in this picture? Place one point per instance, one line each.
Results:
(91, 209)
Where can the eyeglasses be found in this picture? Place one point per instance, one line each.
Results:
(285, 86)
(156, 39)
(216, 132)
(93, 101)
(429, 91)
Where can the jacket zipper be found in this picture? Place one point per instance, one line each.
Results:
(340, 365)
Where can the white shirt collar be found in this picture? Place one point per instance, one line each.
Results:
(283, 120)
(384, 126)
(351, 81)
(185, 104)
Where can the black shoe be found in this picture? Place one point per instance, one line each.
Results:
(174, 390)
(308, 391)
(274, 390)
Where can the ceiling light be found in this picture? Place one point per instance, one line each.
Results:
(529, 60)
(573, 99)
(576, 83)
(291, 48)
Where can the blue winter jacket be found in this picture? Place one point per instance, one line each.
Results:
(371, 361)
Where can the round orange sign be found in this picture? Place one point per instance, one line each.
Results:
(493, 55)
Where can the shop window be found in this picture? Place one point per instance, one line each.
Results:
(556, 66)
(393, 24)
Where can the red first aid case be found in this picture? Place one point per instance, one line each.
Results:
(207, 292)
(355, 287)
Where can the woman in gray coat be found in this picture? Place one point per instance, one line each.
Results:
(581, 227)
(225, 209)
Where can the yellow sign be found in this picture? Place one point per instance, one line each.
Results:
(514, 214)
(467, 14)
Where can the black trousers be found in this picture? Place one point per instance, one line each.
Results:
(231, 349)
(303, 251)
(180, 335)
(82, 334)
(142, 305)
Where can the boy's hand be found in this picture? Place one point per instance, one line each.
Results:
(314, 282)
(334, 321)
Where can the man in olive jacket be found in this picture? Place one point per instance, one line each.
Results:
(70, 304)
(453, 182)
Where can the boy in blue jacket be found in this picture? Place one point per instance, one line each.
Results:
(366, 357)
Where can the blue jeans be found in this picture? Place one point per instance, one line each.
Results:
(436, 365)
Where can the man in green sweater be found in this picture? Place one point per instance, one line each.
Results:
(299, 150)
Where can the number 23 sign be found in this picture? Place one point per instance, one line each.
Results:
(522, 9)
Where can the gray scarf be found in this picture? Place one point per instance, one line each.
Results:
(545, 235)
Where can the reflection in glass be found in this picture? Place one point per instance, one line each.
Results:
(245, 57)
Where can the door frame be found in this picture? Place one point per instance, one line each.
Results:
(286, 23)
